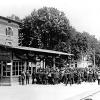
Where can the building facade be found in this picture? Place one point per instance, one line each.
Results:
(14, 58)
(8, 32)
(8, 37)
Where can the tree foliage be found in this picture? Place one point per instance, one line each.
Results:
(46, 28)
(93, 48)
(49, 28)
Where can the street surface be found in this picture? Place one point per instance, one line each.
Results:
(49, 92)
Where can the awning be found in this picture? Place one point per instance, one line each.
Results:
(38, 50)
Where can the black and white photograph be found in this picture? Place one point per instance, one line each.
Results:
(50, 50)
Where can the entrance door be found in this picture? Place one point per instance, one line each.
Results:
(5, 71)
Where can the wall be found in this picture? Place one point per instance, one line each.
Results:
(4, 39)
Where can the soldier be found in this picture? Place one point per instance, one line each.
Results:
(46, 77)
(20, 80)
(43, 76)
(67, 77)
(60, 76)
(94, 75)
(98, 77)
(75, 76)
(49, 78)
(71, 78)
(79, 77)
(27, 77)
(56, 77)
(23, 77)
(33, 77)
(52, 77)
(64, 77)
(90, 76)
(70, 75)
(85, 76)
(39, 78)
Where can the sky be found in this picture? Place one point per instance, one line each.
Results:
(84, 15)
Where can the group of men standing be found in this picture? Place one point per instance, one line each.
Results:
(66, 76)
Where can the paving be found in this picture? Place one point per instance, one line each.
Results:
(50, 92)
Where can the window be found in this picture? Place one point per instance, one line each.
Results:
(9, 31)
(6, 69)
(17, 67)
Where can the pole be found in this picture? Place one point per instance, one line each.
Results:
(11, 68)
(94, 57)
(54, 66)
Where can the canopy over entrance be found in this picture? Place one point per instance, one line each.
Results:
(38, 50)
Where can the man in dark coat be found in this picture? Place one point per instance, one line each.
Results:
(23, 77)
(98, 73)
(33, 77)
(27, 77)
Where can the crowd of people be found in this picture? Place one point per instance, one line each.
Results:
(66, 76)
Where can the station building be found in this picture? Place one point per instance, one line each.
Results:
(14, 58)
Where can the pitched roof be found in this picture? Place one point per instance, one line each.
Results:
(8, 19)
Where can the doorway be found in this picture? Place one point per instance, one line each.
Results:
(5, 73)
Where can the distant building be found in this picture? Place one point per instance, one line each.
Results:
(82, 63)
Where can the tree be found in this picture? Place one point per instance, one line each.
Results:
(45, 28)
(49, 28)
(93, 48)
(79, 44)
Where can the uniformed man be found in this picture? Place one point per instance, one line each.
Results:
(56, 77)
(46, 77)
(23, 77)
(49, 78)
(33, 77)
(98, 77)
(27, 77)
